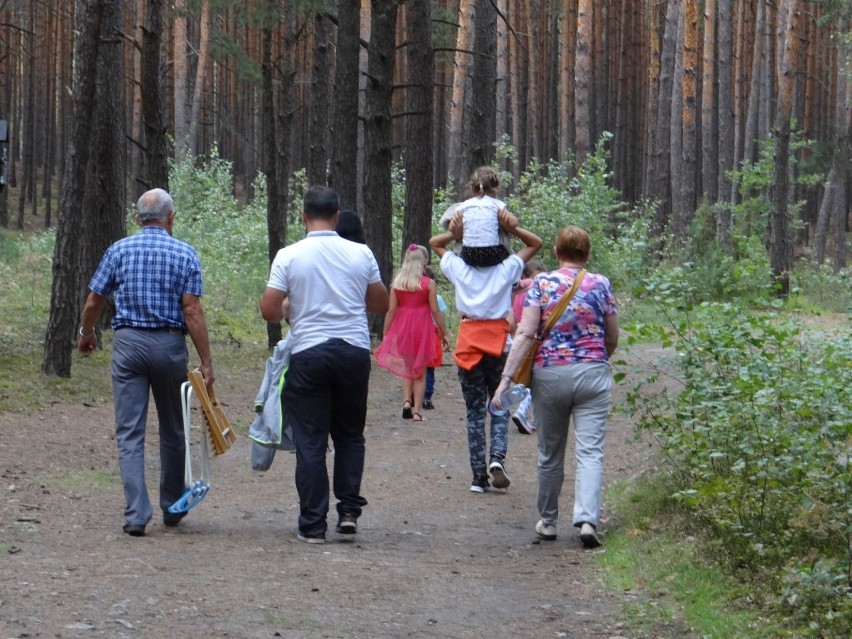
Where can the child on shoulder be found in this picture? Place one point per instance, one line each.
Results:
(483, 244)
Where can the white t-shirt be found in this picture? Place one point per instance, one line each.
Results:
(481, 224)
(482, 292)
(326, 279)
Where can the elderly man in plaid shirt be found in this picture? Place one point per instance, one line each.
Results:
(155, 281)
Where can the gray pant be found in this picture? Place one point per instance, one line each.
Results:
(584, 391)
(144, 360)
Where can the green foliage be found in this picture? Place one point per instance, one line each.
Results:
(657, 552)
(232, 243)
(821, 290)
(758, 434)
(549, 197)
(25, 276)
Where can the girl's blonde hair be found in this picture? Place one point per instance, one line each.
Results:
(484, 181)
(409, 274)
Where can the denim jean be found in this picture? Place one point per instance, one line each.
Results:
(430, 383)
(583, 391)
(478, 386)
(325, 394)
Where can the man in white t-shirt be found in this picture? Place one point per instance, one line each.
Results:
(484, 299)
(329, 284)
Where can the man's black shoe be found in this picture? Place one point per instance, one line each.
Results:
(172, 519)
(347, 525)
(134, 530)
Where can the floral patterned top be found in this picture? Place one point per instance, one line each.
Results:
(578, 336)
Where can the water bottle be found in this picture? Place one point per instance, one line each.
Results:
(510, 399)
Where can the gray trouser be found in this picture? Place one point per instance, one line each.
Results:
(584, 391)
(143, 360)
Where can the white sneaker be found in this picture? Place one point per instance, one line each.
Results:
(310, 540)
(479, 484)
(546, 531)
(589, 536)
(499, 476)
(523, 424)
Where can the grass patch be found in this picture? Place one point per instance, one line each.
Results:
(656, 555)
(82, 480)
(23, 388)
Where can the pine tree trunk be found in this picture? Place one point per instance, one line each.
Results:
(274, 217)
(200, 76)
(181, 79)
(105, 200)
(582, 82)
(461, 70)
(501, 108)
(378, 156)
(153, 103)
(659, 181)
(689, 116)
(709, 112)
(780, 236)
(65, 292)
(726, 145)
(519, 99)
(676, 168)
(320, 96)
(482, 124)
(566, 85)
(417, 226)
(833, 206)
(344, 166)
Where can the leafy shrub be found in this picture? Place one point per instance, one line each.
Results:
(758, 434)
(822, 290)
(231, 242)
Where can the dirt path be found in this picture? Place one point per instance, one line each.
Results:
(431, 559)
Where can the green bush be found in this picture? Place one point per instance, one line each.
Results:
(231, 242)
(758, 433)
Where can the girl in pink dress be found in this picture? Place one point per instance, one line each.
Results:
(408, 347)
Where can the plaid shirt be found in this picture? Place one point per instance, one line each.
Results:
(147, 273)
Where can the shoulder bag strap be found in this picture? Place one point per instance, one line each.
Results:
(561, 305)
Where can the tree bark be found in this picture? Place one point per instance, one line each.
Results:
(104, 201)
(274, 217)
(709, 111)
(417, 226)
(658, 163)
(689, 117)
(180, 111)
(344, 166)
(567, 52)
(153, 102)
(320, 96)
(833, 206)
(200, 76)
(377, 178)
(64, 291)
(582, 82)
(726, 145)
(780, 237)
(461, 69)
(483, 122)
(676, 169)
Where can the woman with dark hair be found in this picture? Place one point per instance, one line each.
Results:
(571, 376)
(349, 227)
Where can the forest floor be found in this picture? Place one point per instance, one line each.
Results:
(431, 559)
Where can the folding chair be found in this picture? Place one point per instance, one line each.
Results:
(219, 431)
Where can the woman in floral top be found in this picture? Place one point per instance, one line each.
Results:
(571, 376)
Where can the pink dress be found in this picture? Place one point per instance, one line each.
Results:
(409, 344)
